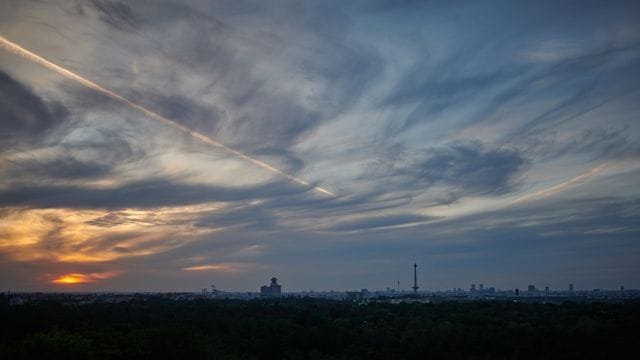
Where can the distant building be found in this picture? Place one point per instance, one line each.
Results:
(570, 288)
(273, 290)
(481, 287)
(546, 291)
(531, 289)
(473, 288)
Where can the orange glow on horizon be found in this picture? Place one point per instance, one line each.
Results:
(71, 279)
(140, 232)
(77, 278)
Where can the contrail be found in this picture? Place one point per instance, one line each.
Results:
(26, 54)
(558, 188)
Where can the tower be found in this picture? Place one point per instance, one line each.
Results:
(415, 278)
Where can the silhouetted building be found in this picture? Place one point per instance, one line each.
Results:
(531, 289)
(481, 287)
(546, 291)
(571, 288)
(517, 292)
(473, 288)
(621, 291)
(274, 289)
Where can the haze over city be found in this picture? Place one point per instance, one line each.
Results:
(171, 145)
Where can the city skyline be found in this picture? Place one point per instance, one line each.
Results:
(166, 146)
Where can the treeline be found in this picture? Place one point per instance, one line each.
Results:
(317, 329)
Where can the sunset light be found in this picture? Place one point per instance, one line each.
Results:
(250, 179)
(71, 279)
(330, 143)
(77, 278)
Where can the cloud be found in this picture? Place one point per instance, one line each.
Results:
(116, 14)
(464, 168)
(78, 154)
(471, 167)
(251, 216)
(26, 117)
(308, 72)
(141, 194)
(431, 93)
(406, 109)
(220, 267)
(379, 222)
(115, 218)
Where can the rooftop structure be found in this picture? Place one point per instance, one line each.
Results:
(272, 290)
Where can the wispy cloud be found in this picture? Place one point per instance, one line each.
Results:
(178, 143)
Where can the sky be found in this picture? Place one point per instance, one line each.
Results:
(170, 145)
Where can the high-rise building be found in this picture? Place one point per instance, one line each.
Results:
(274, 289)
(570, 288)
(621, 291)
(531, 289)
(481, 287)
(546, 291)
(473, 288)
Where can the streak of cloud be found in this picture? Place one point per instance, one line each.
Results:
(565, 185)
(223, 267)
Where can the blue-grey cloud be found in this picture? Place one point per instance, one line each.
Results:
(264, 118)
(467, 168)
(376, 222)
(142, 194)
(26, 117)
(407, 109)
(471, 167)
(117, 14)
(253, 217)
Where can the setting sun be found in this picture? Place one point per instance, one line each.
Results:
(71, 279)
(76, 278)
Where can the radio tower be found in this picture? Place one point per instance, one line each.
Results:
(415, 278)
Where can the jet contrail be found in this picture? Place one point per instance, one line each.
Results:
(558, 188)
(26, 54)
